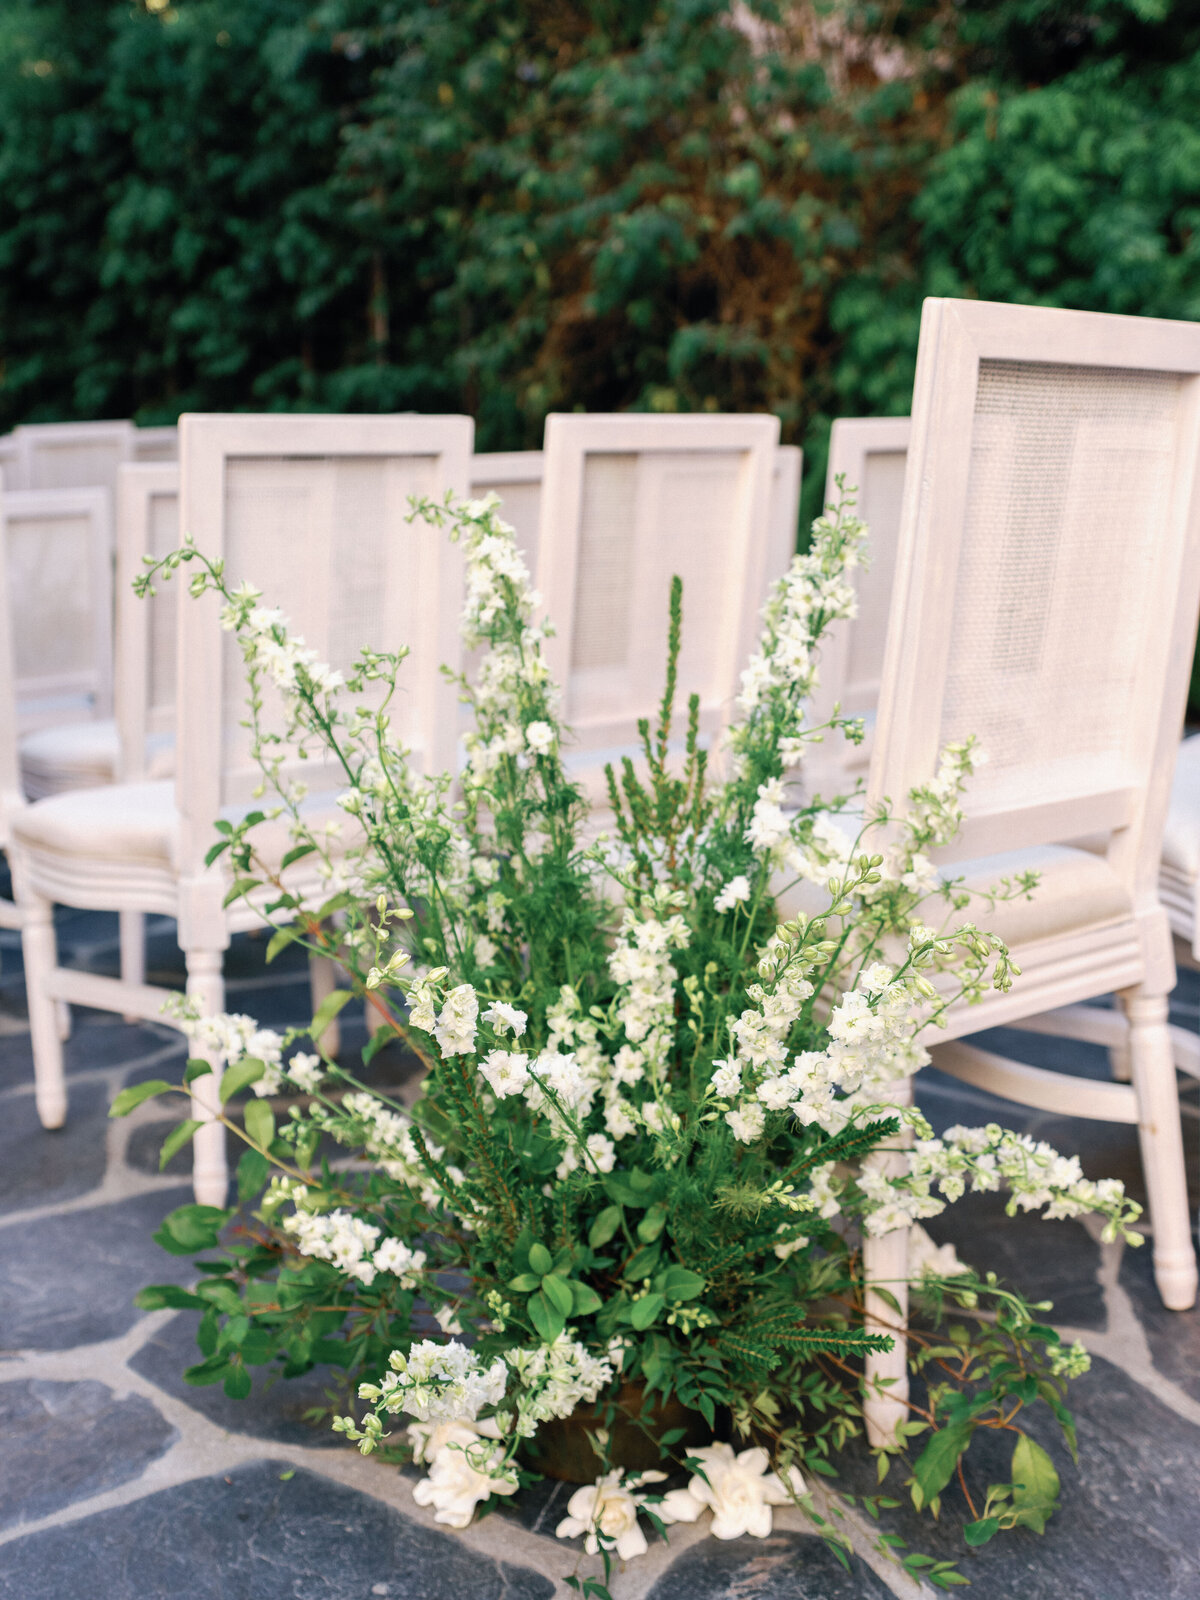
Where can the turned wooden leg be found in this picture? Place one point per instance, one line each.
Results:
(41, 959)
(210, 1172)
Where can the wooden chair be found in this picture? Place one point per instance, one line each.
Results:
(627, 501)
(312, 509)
(869, 453)
(1046, 594)
(12, 798)
(516, 476)
(72, 455)
(155, 444)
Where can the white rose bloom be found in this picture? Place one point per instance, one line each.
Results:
(608, 1509)
(740, 1492)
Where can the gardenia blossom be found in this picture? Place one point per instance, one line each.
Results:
(740, 1491)
(607, 1513)
(429, 1439)
(460, 1478)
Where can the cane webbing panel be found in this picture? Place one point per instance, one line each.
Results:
(50, 578)
(1056, 606)
(326, 541)
(163, 517)
(879, 505)
(79, 464)
(645, 517)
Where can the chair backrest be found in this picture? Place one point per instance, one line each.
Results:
(627, 502)
(72, 455)
(156, 444)
(59, 550)
(10, 462)
(869, 454)
(1048, 575)
(144, 695)
(11, 795)
(312, 510)
(516, 476)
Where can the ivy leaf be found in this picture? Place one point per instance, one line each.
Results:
(176, 1139)
(130, 1098)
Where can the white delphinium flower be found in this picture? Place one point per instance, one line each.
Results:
(553, 1379)
(305, 1071)
(607, 1513)
(727, 1079)
(421, 1006)
(507, 1071)
(788, 1246)
(740, 1491)
(735, 892)
(618, 1118)
(486, 950)
(747, 1121)
(601, 1152)
(928, 1260)
(447, 1320)
(455, 1031)
(401, 1261)
(769, 824)
(505, 1018)
(460, 1477)
(230, 1035)
(539, 736)
(339, 1237)
(438, 1383)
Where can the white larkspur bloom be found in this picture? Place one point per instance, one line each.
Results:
(486, 950)
(928, 1260)
(459, 1479)
(439, 1383)
(740, 1492)
(507, 1072)
(455, 1031)
(539, 736)
(401, 1261)
(619, 1119)
(601, 1151)
(339, 1237)
(505, 1018)
(735, 892)
(727, 1079)
(554, 1379)
(305, 1071)
(607, 1513)
(747, 1121)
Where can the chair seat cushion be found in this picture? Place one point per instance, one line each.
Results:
(1076, 889)
(72, 755)
(1181, 837)
(124, 822)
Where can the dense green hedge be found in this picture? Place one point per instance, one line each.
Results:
(511, 206)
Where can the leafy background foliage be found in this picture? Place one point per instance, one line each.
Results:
(514, 206)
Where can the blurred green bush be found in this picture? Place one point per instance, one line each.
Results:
(514, 206)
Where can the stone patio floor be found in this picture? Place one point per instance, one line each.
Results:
(119, 1482)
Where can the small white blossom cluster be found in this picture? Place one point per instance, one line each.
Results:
(229, 1036)
(351, 1245)
(554, 1379)
(438, 1383)
(263, 635)
(985, 1160)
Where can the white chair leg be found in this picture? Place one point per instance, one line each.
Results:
(322, 978)
(210, 1171)
(41, 958)
(62, 1016)
(1120, 1062)
(132, 926)
(1161, 1137)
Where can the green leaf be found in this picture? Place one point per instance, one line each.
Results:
(383, 1035)
(540, 1259)
(546, 1319)
(280, 939)
(166, 1296)
(238, 888)
(680, 1283)
(653, 1223)
(328, 1009)
(645, 1262)
(1035, 1484)
(196, 1068)
(525, 1282)
(238, 1382)
(260, 1122)
(128, 1099)
(210, 1371)
(215, 850)
(976, 1533)
(934, 1467)
(191, 1228)
(604, 1227)
(646, 1310)
(252, 1172)
(296, 853)
(176, 1140)
(240, 1076)
(586, 1300)
(558, 1291)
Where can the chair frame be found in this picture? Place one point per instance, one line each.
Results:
(30, 436)
(1134, 956)
(570, 439)
(188, 889)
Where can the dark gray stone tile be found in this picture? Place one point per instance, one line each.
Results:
(784, 1566)
(63, 1442)
(71, 1279)
(1173, 1336)
(145, 1142)
(249, 1535)
(274, 1410)
(1056, 1261)
(98, 1040)
(1129, 1523)
(40, 1167)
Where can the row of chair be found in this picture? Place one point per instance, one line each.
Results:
(1041, 590)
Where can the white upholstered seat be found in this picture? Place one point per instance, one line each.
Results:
(72, 755)
(1179, 874)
